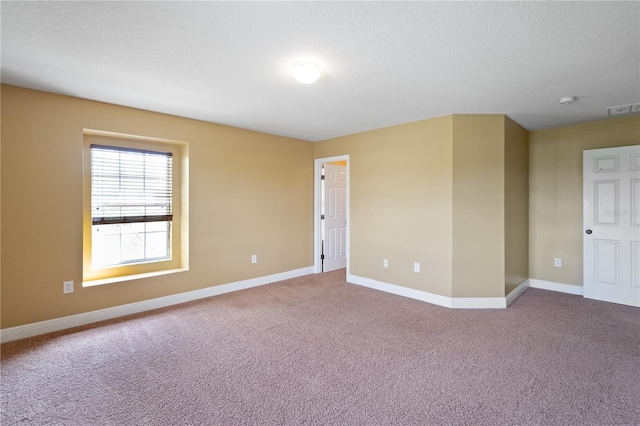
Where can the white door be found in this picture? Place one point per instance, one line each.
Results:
(611, 179)
(335, 217)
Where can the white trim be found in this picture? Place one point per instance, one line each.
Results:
(517, 292)
(560, 287)
(424, 296)
(436, 299)
(57, 324)
(317, 231)
(35, 329)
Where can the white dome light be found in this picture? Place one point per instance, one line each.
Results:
(566, 100)
(305, 72)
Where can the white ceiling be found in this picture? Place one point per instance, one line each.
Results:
(384, 63)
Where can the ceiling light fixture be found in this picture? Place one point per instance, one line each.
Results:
(566, 100)
(306, 72)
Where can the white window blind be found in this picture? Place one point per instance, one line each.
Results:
(130, 185)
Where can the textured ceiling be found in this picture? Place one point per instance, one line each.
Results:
(384, 63)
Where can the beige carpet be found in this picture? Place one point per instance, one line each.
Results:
(316, 350)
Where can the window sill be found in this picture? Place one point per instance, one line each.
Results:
(131, 277)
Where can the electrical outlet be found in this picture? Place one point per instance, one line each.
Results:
(557, 262)
(254, 258)
(385, 263)
(67, 287)
(416, 267)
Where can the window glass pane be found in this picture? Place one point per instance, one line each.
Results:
(128, 242)
(157, 245)
(106, 245)
(132, 228)
(107, 230)
(157, 226)
(132, 247)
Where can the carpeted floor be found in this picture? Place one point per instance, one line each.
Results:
(316, 350)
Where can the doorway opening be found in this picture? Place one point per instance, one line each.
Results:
(331, 214)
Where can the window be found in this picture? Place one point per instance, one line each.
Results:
(133, 197)
(131, 205)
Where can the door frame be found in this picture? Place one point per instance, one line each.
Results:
(317, 223)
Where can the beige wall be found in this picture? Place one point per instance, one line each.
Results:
(556, 192)
(250, 193)
(447, 192)
(401, 202)
(434, 192)
(516, 206)
(478, 206)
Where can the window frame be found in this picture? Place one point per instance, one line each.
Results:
(179, 223)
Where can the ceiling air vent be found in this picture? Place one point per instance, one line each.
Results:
(623, 109)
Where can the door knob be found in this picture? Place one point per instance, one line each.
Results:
(588, 231)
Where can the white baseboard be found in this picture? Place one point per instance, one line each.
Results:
(517, 292)
(560, 287)
(436, 299)
(35, 329)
